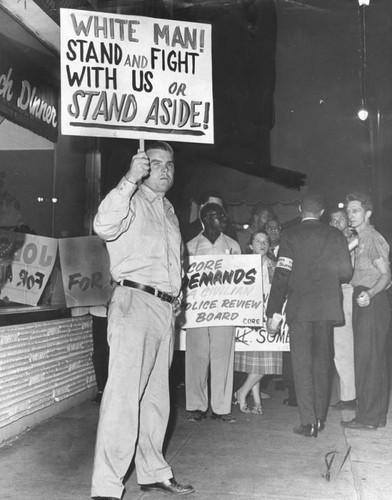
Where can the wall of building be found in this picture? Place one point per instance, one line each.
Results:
(45, 367)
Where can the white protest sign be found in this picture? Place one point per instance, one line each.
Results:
(135, 77)
(248, 339)
(26, 262)
(85, 271)
(223, 290)
(257, 339)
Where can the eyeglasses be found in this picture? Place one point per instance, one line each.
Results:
(215, 216)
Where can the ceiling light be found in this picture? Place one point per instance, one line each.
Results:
(363, 114)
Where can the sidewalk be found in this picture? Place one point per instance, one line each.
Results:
(259, 457)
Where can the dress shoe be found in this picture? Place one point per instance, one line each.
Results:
(354, 424)
(345, 405)
(224, 418)
(320, 424)
(105, 498)
(170, 486)
(290, 402)
(196, 416)
(309, 430)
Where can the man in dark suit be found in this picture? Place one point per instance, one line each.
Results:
(313, 261)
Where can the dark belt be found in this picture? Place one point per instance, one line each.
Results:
(166, 297)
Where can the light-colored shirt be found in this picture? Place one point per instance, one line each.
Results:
(371, 247)
(142, 236)
(224, 245)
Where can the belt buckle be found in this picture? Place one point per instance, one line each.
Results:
(165, 296)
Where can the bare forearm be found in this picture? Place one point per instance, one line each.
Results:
(382, 283)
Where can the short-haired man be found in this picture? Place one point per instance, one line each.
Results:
(274, 230)
(144, 243)
(343, 336)
(313, 262)
(210, 347)
(371, 316)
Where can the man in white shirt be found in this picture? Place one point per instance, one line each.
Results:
(143, 239)
(343, 335)
(210, 347)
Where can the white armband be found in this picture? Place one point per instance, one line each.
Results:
(285, 263)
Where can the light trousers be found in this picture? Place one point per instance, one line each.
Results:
(210, 348)
(344, 348)
(135, 405)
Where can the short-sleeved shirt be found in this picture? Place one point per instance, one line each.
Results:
(224, 245)
(371, 247)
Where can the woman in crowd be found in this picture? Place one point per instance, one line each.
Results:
(257, 363)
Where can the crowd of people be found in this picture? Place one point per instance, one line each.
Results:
(332, 280)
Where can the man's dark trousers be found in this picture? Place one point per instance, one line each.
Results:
(371, 328)
(310, 345)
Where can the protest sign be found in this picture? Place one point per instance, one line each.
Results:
(223, 290)
(85, 271)
(249, 338)
(135, 77)
(258, 339)
(26, 262)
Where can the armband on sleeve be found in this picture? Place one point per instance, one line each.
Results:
(285, 263)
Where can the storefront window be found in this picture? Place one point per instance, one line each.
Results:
(42, 178)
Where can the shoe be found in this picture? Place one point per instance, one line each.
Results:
(196, 416)
(243, 407)
(309, 430)
(257, 410)
(290, 402)
(105, 498)
(354, 424)
(170, 486)
(224, 418)
(320, 424)
(97, 401)
(345, 405)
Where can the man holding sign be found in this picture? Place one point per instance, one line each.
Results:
(144, 243)
(210, 347)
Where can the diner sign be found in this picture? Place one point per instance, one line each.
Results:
(135, 77)
(85, 271)
(223, 290)
(26, 262)
(26, 97)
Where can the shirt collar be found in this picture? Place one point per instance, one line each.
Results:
(152, 197)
